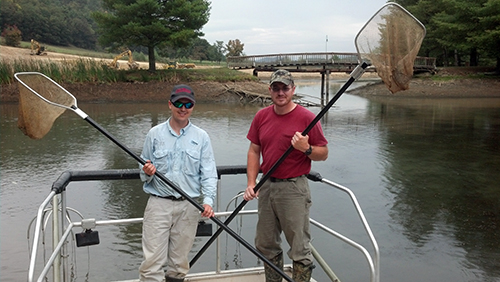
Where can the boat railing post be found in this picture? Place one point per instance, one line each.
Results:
(55, 238)
(64, 224)
(217, 250)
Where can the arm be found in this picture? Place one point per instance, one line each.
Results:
(301, 143)
(208, 177)
(253, 168)
(319, 153)
(147, 170)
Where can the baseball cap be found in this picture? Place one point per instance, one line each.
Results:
(182, 91)
(282, 76)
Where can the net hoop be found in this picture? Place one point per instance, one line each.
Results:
(35, 117)
(394, 50)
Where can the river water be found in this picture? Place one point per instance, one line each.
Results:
(425, 171)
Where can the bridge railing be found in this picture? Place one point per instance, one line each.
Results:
(332, 59)
(427, 63)
(292, 59)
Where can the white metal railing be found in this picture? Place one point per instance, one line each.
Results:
(63, 226)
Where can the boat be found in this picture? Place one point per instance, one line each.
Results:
(53, 210)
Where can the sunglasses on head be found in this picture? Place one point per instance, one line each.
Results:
(179, 104)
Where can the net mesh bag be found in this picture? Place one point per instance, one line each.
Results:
(394, 48)
(36, 115)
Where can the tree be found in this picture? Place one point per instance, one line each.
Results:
(12, 36)
(151, 23)
(489, 37)
(454, 26)
(234, 48)
(56, 22)
(219, 50)
(459, 30)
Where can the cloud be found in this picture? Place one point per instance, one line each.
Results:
(269, 27)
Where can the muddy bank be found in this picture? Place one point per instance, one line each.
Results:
(154, 91)
(425, 87)
(215, 92)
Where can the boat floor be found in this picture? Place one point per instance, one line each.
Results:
(254, 274)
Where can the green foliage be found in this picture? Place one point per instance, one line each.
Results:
(488, 35)
(82, 70)
(139, 56)
(459, 32)
(12, 36)
(151, 23)
(234, 48)
(51, 21)
(198, 49)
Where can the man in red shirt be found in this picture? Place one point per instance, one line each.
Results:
(284, 200)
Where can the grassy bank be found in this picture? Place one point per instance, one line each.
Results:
(138, 56)
(91, 67)
(90, 70)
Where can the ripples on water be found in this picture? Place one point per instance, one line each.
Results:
(426, 173)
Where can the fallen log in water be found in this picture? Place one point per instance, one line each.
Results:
(248, 97)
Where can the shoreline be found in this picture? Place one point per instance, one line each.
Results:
(427, 88)
(421, 85)
(216, 92)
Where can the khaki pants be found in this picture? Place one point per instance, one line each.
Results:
(168, 232)
(284, 207)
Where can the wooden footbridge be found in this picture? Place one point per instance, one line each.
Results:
(325, 62)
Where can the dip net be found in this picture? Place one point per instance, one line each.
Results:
(38, 112)
(390, 41)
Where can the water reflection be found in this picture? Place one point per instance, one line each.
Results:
(441, 166)
(426, 172)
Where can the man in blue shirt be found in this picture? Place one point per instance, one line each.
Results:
(183, 153)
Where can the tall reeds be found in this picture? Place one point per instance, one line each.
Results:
(91, 70)
(71, 71)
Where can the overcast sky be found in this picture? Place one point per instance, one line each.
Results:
(277, 26)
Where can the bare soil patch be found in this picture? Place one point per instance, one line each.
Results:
(425, 87)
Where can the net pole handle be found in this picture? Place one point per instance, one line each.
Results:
(355, 74)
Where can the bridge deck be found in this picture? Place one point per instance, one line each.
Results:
(313, 62)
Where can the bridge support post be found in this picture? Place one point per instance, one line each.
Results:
(322, 89)
(325, 87)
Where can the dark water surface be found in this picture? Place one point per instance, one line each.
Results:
(425, 171)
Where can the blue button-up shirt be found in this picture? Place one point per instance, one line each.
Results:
(186, 159)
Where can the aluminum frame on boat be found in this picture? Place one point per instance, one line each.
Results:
(62, 228)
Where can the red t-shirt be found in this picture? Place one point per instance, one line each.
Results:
(273, 133)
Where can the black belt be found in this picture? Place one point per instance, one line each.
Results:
(292, 179)
(181, 198)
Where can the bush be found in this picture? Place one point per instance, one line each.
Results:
(12, 36)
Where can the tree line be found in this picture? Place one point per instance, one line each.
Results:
(55, 22)
(170, 28)
(459, 32)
